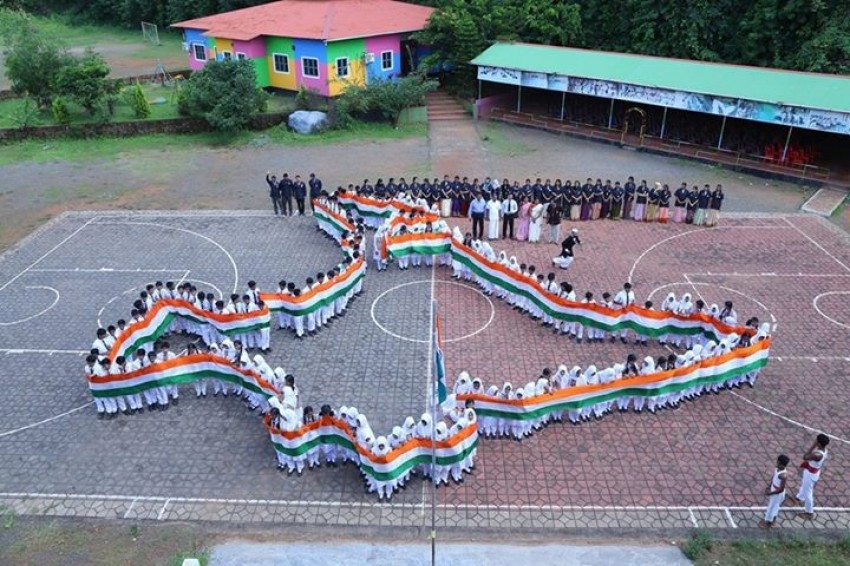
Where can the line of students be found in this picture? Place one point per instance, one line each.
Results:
(591, 200)
(283, 190)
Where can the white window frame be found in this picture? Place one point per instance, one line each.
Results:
(226, 55)
(318, 74)
(392, 62)
(274, 63)
(241, 56)
(195, 51)
(347, 67)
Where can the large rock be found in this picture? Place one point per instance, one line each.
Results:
(307, 122)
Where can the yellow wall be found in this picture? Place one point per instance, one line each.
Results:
(224, 45)
(356, 76)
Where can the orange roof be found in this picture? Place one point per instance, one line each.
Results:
(329, 20)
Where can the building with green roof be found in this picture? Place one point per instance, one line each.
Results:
(555, 82)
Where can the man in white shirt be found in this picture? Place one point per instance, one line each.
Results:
(623, 299)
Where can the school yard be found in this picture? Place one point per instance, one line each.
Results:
(703, 465)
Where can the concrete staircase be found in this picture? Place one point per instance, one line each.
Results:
(442, 106)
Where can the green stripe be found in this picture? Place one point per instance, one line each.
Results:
(364, 213)
(418, 460)
(616, 394)
(424, 249)
(152, 336)
(177, 380)
(638, 328)
(322, 302)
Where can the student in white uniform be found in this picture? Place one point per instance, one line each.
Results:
(812, 466)
(775, 492)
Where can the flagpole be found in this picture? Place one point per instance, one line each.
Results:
(431, 368)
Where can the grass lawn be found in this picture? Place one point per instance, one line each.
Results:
(40, 151)
(791, 551)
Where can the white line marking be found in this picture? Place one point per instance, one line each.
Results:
(107, 269)
(445, 340)
(130, 508)
(208, 284)
(361, 505)
(693, 286)
(193, 233)
(820, 247)
(820, 312)
(162, 511)
(688, 233)
(430, 397)
(693, 518)
(45, 421)
(50, 251)
(729, 289)
(790, 421)
(8, 351)
(814, 358)
(736, 274)
(729, 517)
(38, 314)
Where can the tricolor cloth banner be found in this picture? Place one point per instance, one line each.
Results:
(331, 222)
(330, 431)
(159, 318)
(711, 371)
(322, 296)
(181, 370)
(642, 321)
(424, 243)
(439, 361)
(371, 208)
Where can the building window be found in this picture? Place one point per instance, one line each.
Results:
(281, 63)
(199, 50)
(310, 67)
(226, 55)
(342, 67)
(386, 60)
(240, 56)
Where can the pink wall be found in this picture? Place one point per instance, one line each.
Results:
(253, 49)
(378, 44)
(483, 106)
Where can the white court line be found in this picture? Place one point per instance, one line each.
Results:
(812, 358)
(430, 397)
(107, 269)
(361, 505)
(767, 274)
(445, 340)
(45, 421)
(731, 520)
(693, 286)
(130, 508)
(820, 312)
(38, 314)
(820, 247)
(162, 511)
(193, 233)
(693, 518)
(690, 232)
(8, 351)
(50, 251)
(790, 421)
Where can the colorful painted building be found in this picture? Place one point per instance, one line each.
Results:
(324, 45)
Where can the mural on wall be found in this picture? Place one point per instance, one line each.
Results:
(807, 118)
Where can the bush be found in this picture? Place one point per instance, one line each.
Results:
(387, 98)
(698, 545)
(60, 111)
(83, 80)
(225, 94)
(139, 102)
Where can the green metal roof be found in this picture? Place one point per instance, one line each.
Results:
(792, 88)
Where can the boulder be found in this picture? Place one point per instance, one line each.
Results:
(308, 122)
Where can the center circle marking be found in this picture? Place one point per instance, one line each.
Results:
(475, 290)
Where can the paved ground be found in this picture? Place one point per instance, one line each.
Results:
(192, 462)
(237, 554)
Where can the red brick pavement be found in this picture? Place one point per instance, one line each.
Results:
(717, 450)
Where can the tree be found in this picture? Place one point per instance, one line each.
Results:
(33, 60)
(390, 98)
(225, 94)
(139, 102)
(84, 81)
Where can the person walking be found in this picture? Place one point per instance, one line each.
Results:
(775, 492)
(812, 466)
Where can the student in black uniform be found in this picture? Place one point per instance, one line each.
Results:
(274, 192)
(286, 195)
(299, 190)
(315, 188)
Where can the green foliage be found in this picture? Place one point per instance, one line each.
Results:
(84, 81)
(139, 102)
(389, 98)
(698, 545)
(309, 99)
(25, 115)
(33, 60)
(60, 111)
(225, 94)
